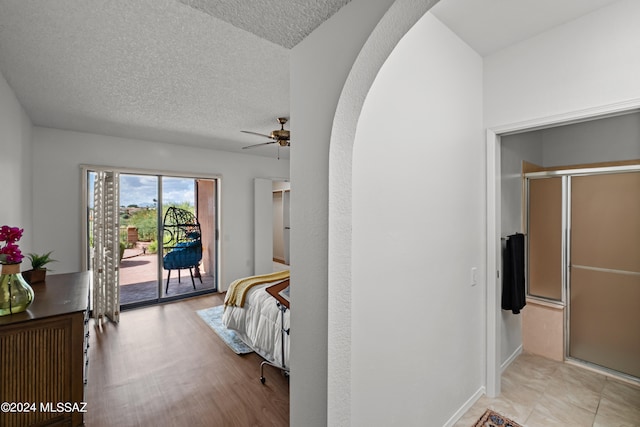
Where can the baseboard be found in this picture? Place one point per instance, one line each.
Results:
(510, 359)
(481, 391)
(280, 260)
(464, 408)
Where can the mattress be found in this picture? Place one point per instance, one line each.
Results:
(259, 324)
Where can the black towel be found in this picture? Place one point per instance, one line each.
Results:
(513, 292)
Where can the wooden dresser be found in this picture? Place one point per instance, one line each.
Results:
(43, 355)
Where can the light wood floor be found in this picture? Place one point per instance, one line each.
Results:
(163, 366)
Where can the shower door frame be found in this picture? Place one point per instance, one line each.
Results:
(566, 173)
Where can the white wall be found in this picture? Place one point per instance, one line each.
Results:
(587, 63)
(15, 164)
(58, 155)
(609, 86)
(319, 67)
(515, 149)
(418, 229)
(583, 68)
(605, 140)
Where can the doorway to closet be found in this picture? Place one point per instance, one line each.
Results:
(272, 225)
(281, 221)
(567, 316)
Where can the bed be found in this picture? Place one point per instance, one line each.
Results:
(258, 318)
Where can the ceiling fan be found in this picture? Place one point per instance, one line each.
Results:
(281, 136)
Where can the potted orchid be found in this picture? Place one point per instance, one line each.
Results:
(9, 251)
(15, 293)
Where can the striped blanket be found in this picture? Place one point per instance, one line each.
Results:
(238, 289)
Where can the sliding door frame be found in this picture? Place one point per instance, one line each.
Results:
(86, 168)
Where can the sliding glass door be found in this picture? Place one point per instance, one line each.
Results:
(197, 197)
(144, 200)
(138, 238)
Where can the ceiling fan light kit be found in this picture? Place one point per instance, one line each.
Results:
(281, 136)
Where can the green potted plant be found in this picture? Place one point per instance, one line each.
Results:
(38, 270)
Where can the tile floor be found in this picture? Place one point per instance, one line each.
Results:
(538, 392)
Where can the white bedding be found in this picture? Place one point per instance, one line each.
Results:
(258, 324)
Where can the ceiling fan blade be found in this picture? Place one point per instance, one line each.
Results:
(258, 145)
(256, 133)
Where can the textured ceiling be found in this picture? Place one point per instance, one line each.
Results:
(284, 23)
(151, 69)
(196, 72)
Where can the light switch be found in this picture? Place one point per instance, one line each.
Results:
(474, 276)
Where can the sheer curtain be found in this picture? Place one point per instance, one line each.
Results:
(106, 247)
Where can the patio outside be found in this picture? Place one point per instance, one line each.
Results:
(139, 277)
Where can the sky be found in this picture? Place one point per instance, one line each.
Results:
(141, 190)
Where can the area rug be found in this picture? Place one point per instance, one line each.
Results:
(213, 317)
(493, 419)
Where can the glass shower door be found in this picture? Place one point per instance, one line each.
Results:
(604, 319)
